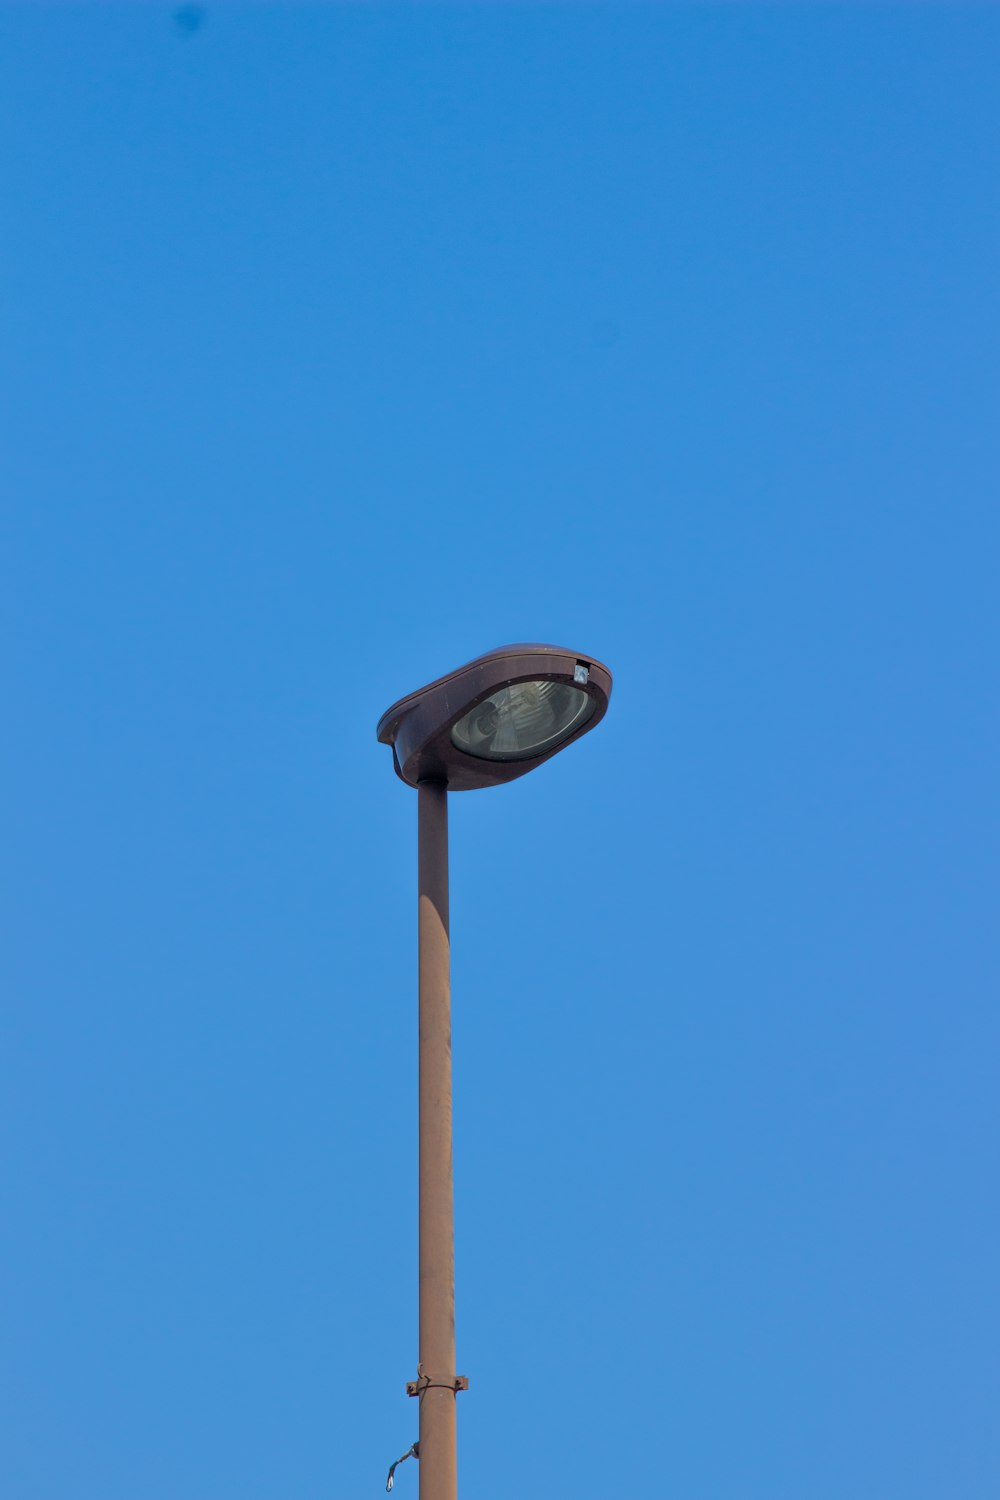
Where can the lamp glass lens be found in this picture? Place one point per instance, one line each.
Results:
(523, 720)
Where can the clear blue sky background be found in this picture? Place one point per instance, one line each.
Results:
(338, 345)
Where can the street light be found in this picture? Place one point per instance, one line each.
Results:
(486, 723)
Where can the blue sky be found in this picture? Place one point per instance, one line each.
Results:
(337, 345)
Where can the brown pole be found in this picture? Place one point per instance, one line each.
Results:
(438, 1463)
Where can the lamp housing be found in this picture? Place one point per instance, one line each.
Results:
(497, 717)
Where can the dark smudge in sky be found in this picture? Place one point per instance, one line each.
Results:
(189, 19)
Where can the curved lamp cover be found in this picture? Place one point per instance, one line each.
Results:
(497, 717)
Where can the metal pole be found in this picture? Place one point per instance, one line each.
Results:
(436, 1383)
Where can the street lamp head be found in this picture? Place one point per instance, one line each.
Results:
(495, 718)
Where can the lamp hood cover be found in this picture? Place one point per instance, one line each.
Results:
(497, 717)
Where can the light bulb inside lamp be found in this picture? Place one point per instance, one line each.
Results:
(521, 721)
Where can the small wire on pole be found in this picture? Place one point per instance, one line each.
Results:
(411, 1452)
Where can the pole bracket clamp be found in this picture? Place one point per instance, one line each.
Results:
(425, 1383)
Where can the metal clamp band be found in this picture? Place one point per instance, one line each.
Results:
(425, 1383)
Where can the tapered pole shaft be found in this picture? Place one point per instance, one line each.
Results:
(438, 1463)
